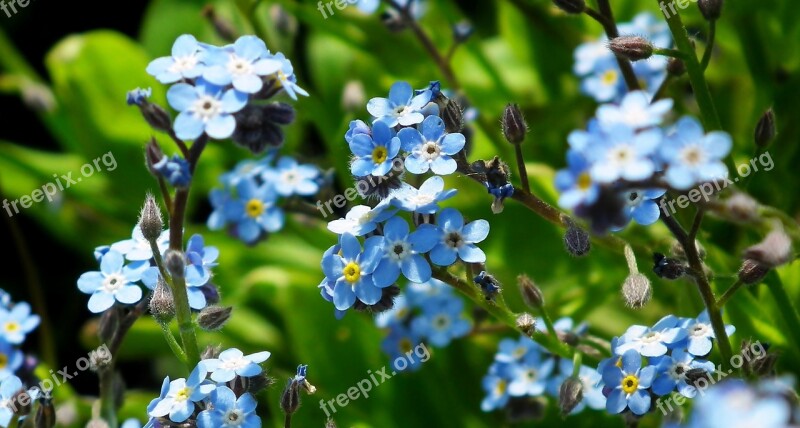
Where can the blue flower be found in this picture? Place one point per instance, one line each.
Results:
(255, 211)
(200, 260)
(185, 62)
(11, 357)
(114, 282)
(286, 77)
(510, 350)
(242, 64)
(357, 127)
(175, 170)
(138, 96)
(419, 294)
(374, 154)
(641, 205)
(652, 342)
(495, 383)
(400, 341)
(692, 156)
(575, 183)
(17, 322)
(700, 334)
(403, 252)
(291, 178)
(232, 362)
(424, 200)
(227, 411)
(402, 107)
(178, 401)
(205, 107)
(8, 391)
(441, 322)
(352, 271)
(362, 219)
(430, 147)
(138, 248)
(624, 154)
(672, 373)
(605, 83)
(629, 384)
(529, 376)
(457, 240)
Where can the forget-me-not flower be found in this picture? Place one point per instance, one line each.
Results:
(291, 178)
(700, 334)
(114, 282)
(138, 247)
(457, 240)
(232, 362)
(227, 411)
(402, 107)
(352, 271)
(242, 64)
(652, 342)
(374, 154)
(672, 373)
(205, 107)
(362, 219)
(255, 210)
(430, 148)
(185, 62)
(692, 156)
(441, 323)
(181, 394)
(629, 384)
(424, 200)
(403, 252)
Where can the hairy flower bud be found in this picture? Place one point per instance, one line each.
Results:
(290, 399)
(162, 305)
(711, 9)
(571, 6)
(694, 376)
(668, 268)
(526, 323)
(211, 351)
(152, 155)
(175, 261)
(751, 272)
(570, 395)
(676, 67)
(514, 125)
(763, 361)
(741, 208)
(531, 294)
(632, 48)
(576, 240)
(636, 290)
(489, 285)
(213, 318)
(773, 251)
(150, 221)
(453, 117)
(765, 129)
(353, 95)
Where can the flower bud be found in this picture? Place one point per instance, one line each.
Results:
(175, 261)
(290, 399)
(570, 395)
(668, 268)
(489, 285)
(514, 125)
(576, 240)
(152, 156)
(571, 6)
(711, 9)
(258, 383)
(162, 305)
(45, 415)
(694, 376)
(765, 129)
(213, 318)
(222, 27)
(150, 221)
(751, 272)
(211, 351)
(741, 208)
(353, 96)
(676, 67)
(453, 117)
(773, 251)
(632, 48)
(526, 323)
(763, 361)
(531, 294)
(636, 290)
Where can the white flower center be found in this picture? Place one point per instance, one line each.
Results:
(398, 250)
(421, 199)
(530, 375)
(698, 330)
(290, 178)
(651, 337)
(207, 107)
(183, 63)
(112, 283)
(234, 417)
(693, 155)
(430, 151)
(634, 198)
(400, 111)
(621, 155)
(239, 66)
(234, 364)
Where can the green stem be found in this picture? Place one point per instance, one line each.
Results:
(108, 409)
(173, 344)
(672, 53)
(523, 171)
(729, 293)
(577, 361)
(785, 305)
(712, 35)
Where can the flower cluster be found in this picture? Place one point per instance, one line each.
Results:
(364, 275)
(670, 349)
(597, 66)
(522, 368)
(248, 204)
(428, 312)
(625, 160)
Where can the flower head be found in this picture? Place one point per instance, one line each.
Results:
(403, 252)
(362, 219)
(185, 62)
(114, 282)
(255, 211)
(180, 396)
(402, 107)
(457, 240)
(375, 154)
(228, 411)
(242, 64)
(692, 156)
(629, 383)
(430, 147)
(232, 362)
(424, 200)
(291, 178)
(138, 248)
(652, 342)
(441, 322)
(672, 373)
(700, 334)
(205, 107)
(352, 271)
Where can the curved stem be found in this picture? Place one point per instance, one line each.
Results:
(173, 344)
(712, 34)
(729, 293)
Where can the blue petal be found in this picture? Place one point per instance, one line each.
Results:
(386, 273)
(367, 292)
(616, 401)
(639, 402)
(416, 269)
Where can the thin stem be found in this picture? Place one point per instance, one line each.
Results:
(698, 220)
(180, 143)
(162, 186)
(672, 53)
(287, 421)
(712, 34)
(662, 90)
(577, 361)
(107, 406)
(610, 27)
(785, 305)
(523, 171)
(173, 344)
(548, 322)
(597, 16)
(729, 293)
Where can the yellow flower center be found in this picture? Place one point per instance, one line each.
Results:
(183, 394)
(500, 387)
(352, 272)
(584, 181)
(254, 208)
(609, 77)
(630, 384)
(380, 154)
(11, 326)
(3, 361)
(406, 345)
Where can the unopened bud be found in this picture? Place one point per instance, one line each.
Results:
(290, 399)
(676, 67)
(150, 221)
(258, 383)
(570, 395)
(741, 208)
(162, 305)
(531, 294)
(668, 268)
(765, 129)
(211, 351)
(711, 9)
(489, 285)
(213, 318)
(353, 95)
(576, 240)
(152, 155)
(632, 48)
(514, 125)
(571, 6)
(175, 261)
(45, 415)
(453, 117)
(773, 251)
(694, 376)
(751, 272)
(526, 323)
(222, 27)
(762, 362)
(636, 290)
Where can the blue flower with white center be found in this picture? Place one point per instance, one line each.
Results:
(242, 64)
(205, 107)
(8, 396)
(605, 83)
(401, 108)
(511, 350)
(255, 211)
(441, 322)
(671, 373)
(194, 291)
(362, 219)
(575, 183)
(692, 156)
(352, 271)
(138, 248)
(291, 178)
(624, 154)
(424, 200)
(652, 342)
(430, 148)
(138, 96)
(227, 411)
(403, 252)
(457, 240)
(634, 111)
(114, 282)
(357, 127)
(529, 376)
(175, 170)
(248, 168)
(629, 384)
(495, 383)
(734, 403)
(641, 205)
(286, 77)
(395, 316)
(399, 343)
(178, 401)
(232, 362)
(11, 358)
(185, 62)
(700, 334)
(374, 154)
(200, 259)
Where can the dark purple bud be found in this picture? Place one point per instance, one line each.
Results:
(765, 129)
(632, 48)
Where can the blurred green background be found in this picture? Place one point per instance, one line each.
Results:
(64, 75)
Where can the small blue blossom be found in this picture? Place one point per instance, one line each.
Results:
(457, 240)
(700, 334)
(357, 127)
(575, 183)
(624, 154)
(403, 252)
(672, 373)
(510, 350)
(442, 322)
(8, 391)
(286, 77)
(181, 394)
(200, 259)
(424, 200)
(634, 111)
(402, 107)
(374, 155)
(11, 357)
(255, 211)
(227, 411)
(114, 282)
(652, 342)
(400, 341)
(641, 205)
(17, 322)
(138, 96)
(419, 294)
(185, 62)
(175, 170)
(629, 384)
(362, 219)
(692, 156)
(495, 383)
(529, 376)
(242, 64)
(352, 271)
(137, 248)
(205, 107)
(430, 148)
(232, 362)
(291, 178)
